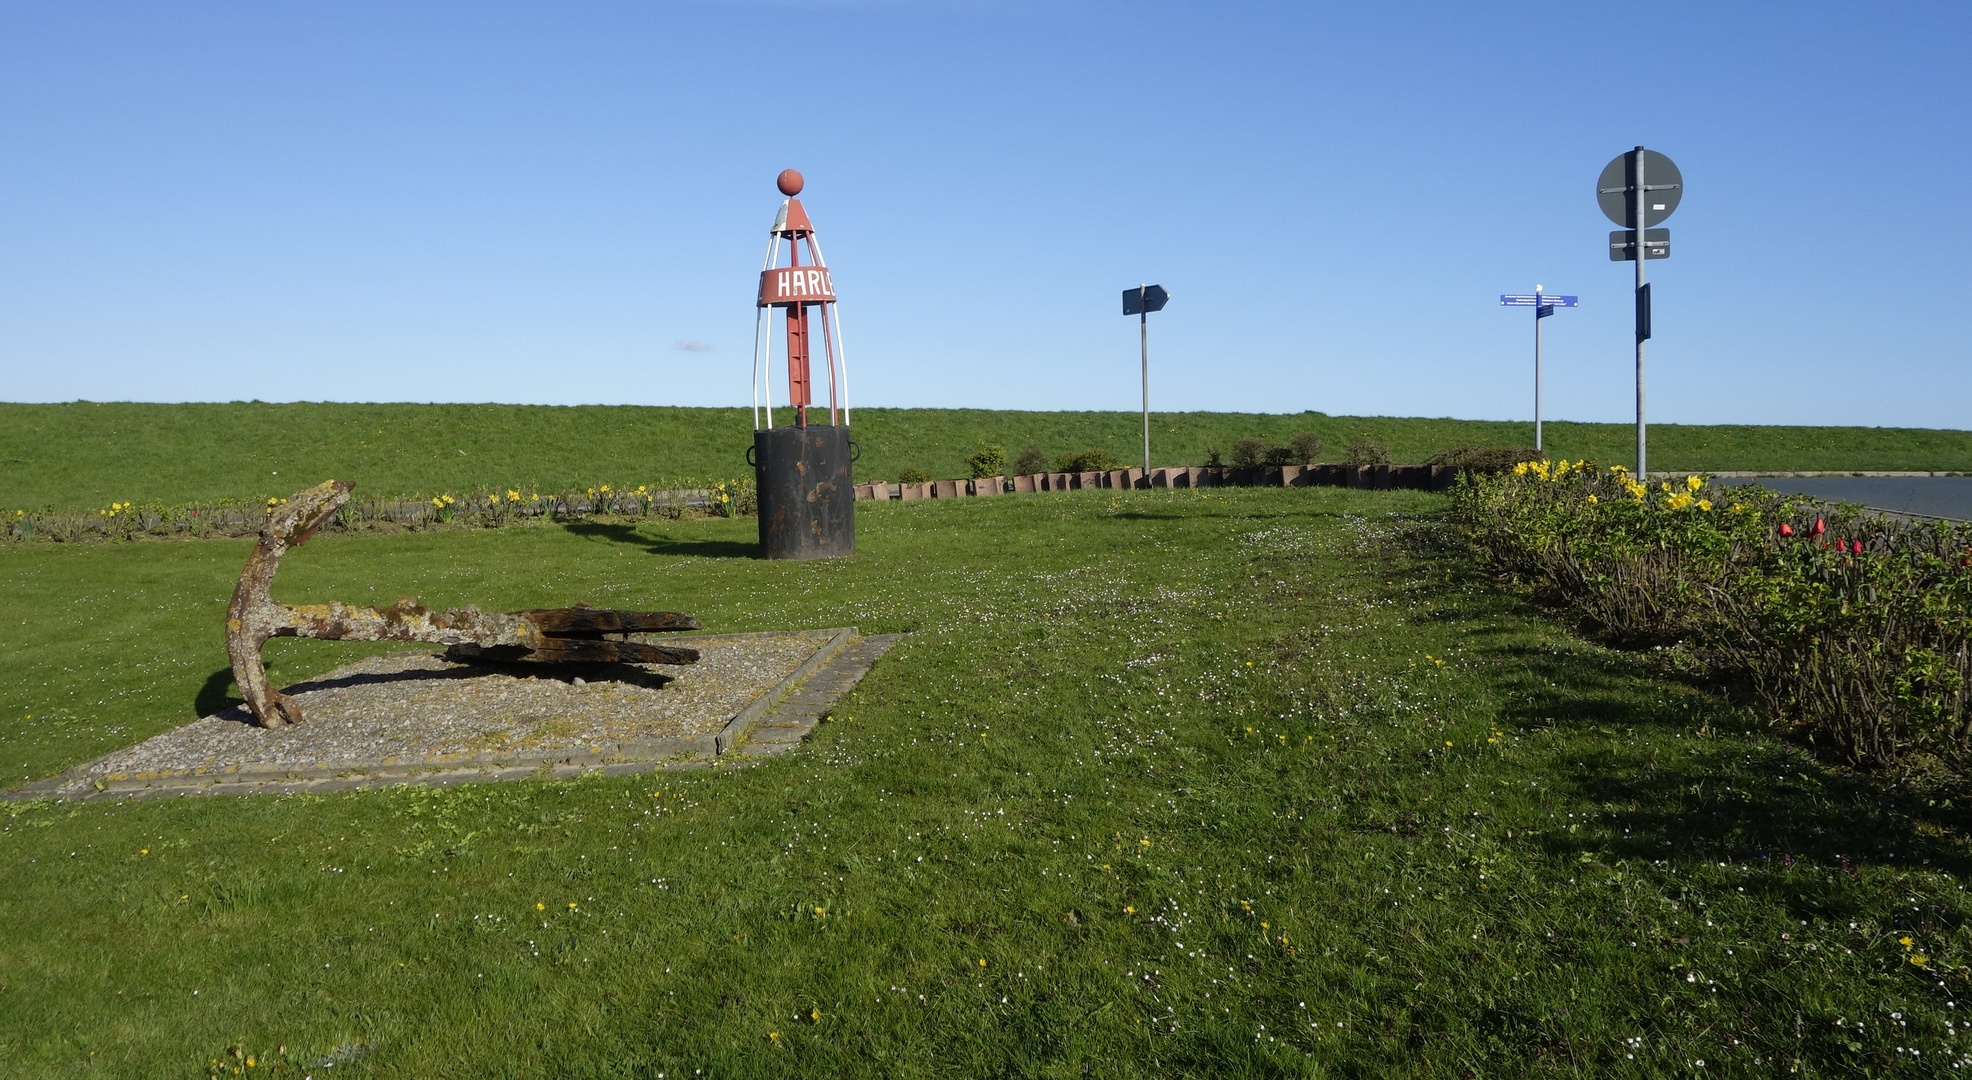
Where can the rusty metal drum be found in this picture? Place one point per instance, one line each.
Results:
(807, 492)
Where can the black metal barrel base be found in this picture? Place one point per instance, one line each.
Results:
(807, 492)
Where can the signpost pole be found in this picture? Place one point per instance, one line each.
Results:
(1143, 343)
(1141, 301)
(1640, 198)
(1539, 312)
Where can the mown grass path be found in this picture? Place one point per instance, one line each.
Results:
(1215, 783)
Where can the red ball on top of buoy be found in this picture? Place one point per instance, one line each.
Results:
(789, 182)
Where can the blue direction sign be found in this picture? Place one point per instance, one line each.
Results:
(1536, 300)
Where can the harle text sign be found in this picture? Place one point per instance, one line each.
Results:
(790, 285)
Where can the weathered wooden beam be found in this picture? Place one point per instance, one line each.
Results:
(541, 635)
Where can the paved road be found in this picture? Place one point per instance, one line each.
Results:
(1937, 496)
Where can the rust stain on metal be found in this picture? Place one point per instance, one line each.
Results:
(580, 634)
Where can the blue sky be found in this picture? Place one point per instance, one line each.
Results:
(543, 203)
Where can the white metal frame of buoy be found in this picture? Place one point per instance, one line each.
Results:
(763, 342)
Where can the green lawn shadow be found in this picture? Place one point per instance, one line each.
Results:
(664, 545)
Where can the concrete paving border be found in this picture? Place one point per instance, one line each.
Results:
(771, 724)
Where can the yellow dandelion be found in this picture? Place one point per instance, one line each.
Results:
(1129, 909)
(540, 907)
(982, 961)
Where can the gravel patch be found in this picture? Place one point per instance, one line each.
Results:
(418, 711)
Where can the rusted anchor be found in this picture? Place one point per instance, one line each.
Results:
(553, 635)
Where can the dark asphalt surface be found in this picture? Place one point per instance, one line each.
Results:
(1937, 496)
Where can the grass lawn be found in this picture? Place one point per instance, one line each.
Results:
(1214, 783)
(85, 455)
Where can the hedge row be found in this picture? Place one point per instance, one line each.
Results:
(1853, 628)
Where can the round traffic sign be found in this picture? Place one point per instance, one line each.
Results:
(1663, 187)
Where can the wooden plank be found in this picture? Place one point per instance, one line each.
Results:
(588, 622)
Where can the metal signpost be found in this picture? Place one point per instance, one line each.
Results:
(1141, 301)
(1638, 189)
(1543, 306)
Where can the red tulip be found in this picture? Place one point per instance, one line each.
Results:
(1820, 527)
(1856, 546)
(1786, 529)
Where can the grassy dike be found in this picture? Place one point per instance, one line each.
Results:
(1214, 783)
(86, 455)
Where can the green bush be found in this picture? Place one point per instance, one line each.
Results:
(1490, 459)
(1212, 458)
(1097, 460)
(1248, 452)
(1366, 453)
(1852, 627)
(911, 474)
(1031, 460)
(1305, 449)
(991, 460)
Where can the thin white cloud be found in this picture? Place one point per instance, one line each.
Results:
(696, 346)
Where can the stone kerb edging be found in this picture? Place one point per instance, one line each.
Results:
(1368, 477)
(736, 729)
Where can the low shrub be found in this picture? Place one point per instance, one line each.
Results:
(1487, 459)
(1853, 628)
(1097, 460)
(1212, 458)
(991, 460)
(1031, 460)
(1248, 452)
(911, 474)
(1304, 449)
(1366, 453)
